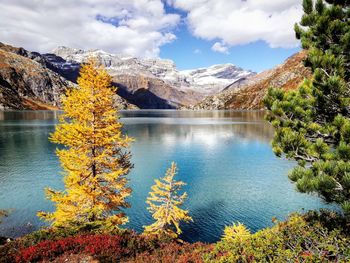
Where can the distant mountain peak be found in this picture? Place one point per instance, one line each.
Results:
(249, 93)
(150, 83)
(204, 81)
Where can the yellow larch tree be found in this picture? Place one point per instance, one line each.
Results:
(164, 203)
(236, 232)
(95, 158)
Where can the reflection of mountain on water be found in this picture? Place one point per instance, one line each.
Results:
(206, 127)
(176, 126)
(216, 114)
(28, 115)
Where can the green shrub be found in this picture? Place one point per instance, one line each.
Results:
(294, 240)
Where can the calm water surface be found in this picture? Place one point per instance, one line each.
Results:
(224, 156)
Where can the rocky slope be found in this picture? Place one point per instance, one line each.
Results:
(249, 94)
(27, 82)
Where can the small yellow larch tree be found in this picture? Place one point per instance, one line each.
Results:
(236, 232)
(95, 158)
(164, 203)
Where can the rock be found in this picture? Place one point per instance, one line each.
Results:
(26, 84)
(4, 240)
(121, 104)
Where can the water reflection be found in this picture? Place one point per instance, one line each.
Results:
(224, 157)
(205, 126)
(28, 115)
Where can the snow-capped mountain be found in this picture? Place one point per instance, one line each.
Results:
(204, 81)
(249, 96)
(215, 78)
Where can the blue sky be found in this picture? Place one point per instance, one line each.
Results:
(190, 52)
(252, 34)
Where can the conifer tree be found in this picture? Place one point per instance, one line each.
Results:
(164, 204)
(235, 232)
(313, 123)
(95, 160)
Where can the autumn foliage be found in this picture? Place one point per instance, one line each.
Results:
(88, 244)
(164, 204)
(94, 158)
(299, 239)
(312, 127)
(112, 248)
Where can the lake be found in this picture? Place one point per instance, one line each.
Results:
(225, 158)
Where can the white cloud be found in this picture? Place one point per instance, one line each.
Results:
(236, 22)
(220, 47)
(141, 26)
(197, 51)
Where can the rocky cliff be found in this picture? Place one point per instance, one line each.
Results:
(248, 95)
(152, 93)
(27, 82)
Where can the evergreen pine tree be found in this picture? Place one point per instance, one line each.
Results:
(313, 123)
(164, 204)
(94, 159)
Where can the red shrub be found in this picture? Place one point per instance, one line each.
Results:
(113, 248)
(94, 245)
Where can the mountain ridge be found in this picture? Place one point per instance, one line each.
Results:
(148, 83)
(164, 69)
(27, 81)
(141, 82)
(249, 95)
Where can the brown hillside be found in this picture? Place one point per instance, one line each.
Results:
(288, 75)
(27, 83)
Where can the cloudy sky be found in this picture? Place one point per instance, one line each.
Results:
(254, 34)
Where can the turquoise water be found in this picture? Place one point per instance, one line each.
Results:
(224, 157)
